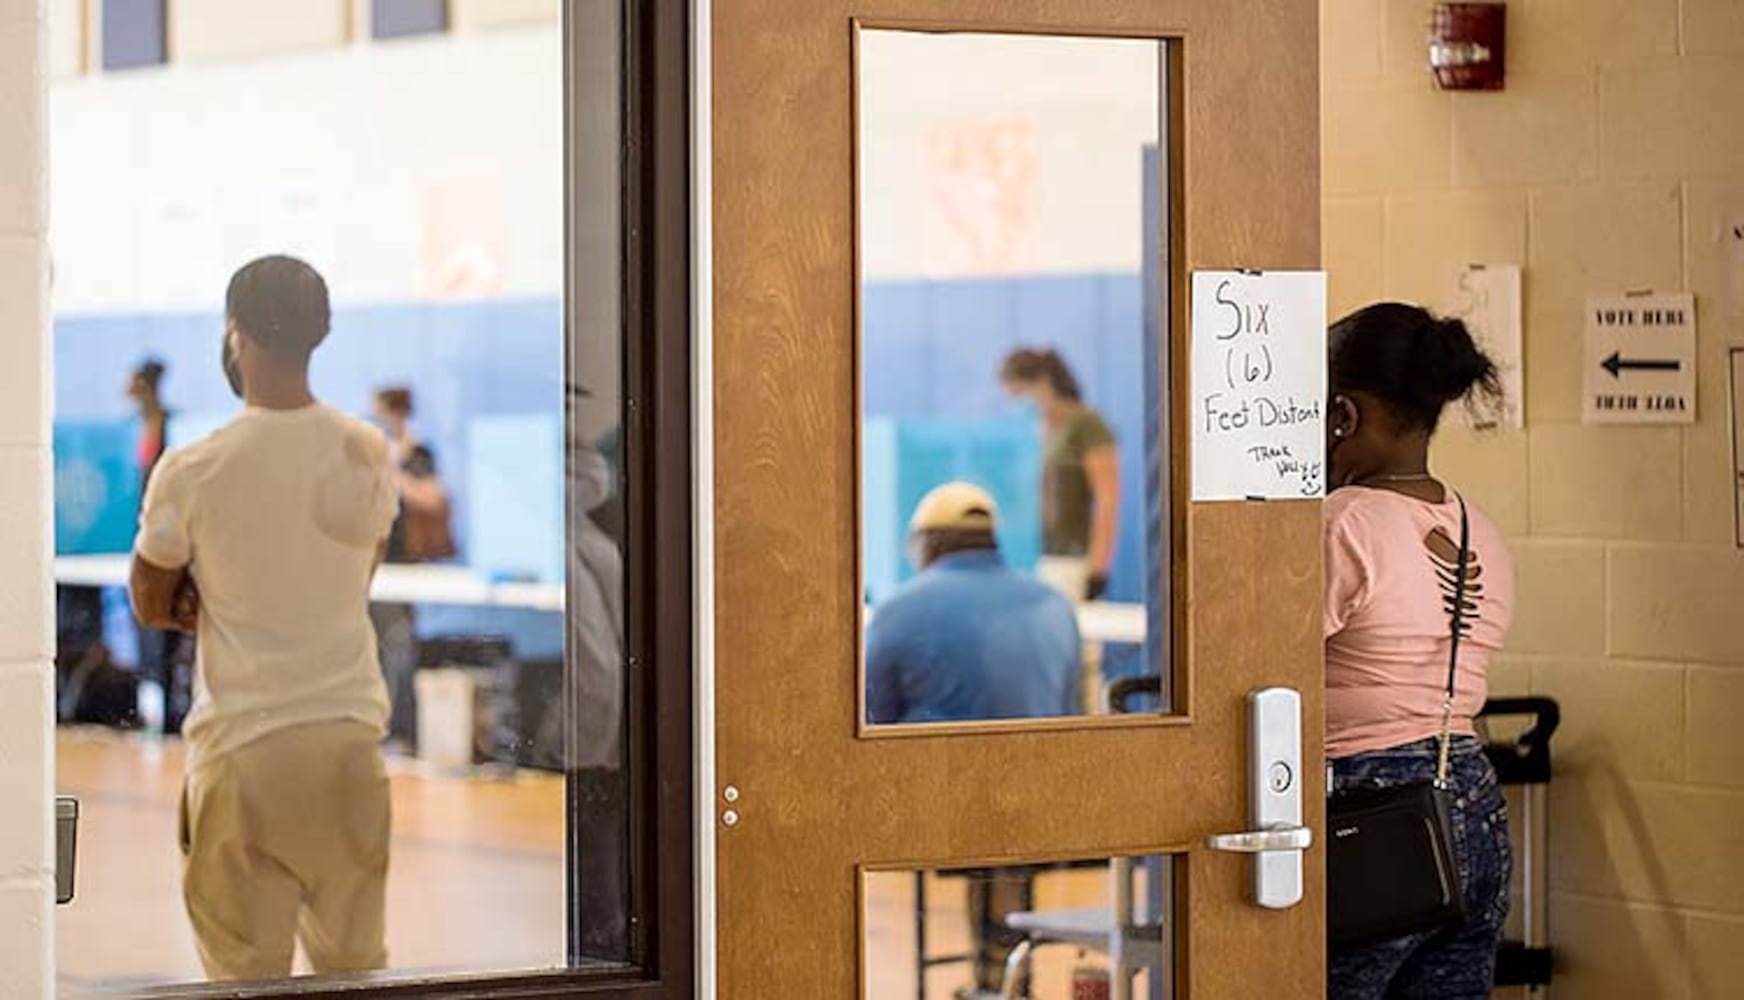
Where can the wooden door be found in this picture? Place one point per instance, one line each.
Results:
(816, 799)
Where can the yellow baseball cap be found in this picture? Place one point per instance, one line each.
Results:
(955, 507)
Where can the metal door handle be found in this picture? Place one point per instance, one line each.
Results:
(1283, 838)
(1276, 838)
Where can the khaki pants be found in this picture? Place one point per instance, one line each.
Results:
(283, 840)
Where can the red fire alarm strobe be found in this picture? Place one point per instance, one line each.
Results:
(1466, 45)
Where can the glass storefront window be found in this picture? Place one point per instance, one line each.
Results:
(341, 392)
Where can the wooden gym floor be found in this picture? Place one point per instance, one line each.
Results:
(476, 880)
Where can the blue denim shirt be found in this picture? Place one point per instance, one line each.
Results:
(971, 638)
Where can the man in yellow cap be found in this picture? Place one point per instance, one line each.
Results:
(969, 638)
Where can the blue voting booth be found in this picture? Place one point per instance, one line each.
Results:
(904, 459)
(96, 475)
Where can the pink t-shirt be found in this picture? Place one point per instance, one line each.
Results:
(1391, 565)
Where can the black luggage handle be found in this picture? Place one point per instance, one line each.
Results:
(1546, 713)
(1527, 759)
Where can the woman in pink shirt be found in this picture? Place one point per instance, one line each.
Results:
(1392, 558)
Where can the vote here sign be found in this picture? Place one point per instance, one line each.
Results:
(1640, 361)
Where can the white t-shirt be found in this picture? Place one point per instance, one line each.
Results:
(279, 514)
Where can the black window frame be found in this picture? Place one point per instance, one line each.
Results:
(657, 469)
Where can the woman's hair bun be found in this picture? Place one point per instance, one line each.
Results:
(1453, 362)
(1413, 360)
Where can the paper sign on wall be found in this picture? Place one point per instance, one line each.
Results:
(1487, 298)
(1258, 385)
(1738, 442)
(1640, 361)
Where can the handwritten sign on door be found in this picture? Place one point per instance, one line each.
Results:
(1258, 407)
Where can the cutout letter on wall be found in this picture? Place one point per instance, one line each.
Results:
(1259, 385)
(1487, 297)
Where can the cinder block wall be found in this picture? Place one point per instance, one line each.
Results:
(1599, 169)
(26, 764)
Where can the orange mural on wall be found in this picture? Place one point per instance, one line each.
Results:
(464, 238)
(983, 175)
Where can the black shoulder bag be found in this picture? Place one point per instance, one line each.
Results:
(1390, 866)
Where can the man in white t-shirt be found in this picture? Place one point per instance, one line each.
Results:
(262, 538)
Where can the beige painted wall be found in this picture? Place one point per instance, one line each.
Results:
(26, 762)
(480, 15)
(202, 30)
(219, 30)
(1598, 169)
(68, 37)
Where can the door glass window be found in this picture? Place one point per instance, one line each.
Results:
(1057, 930)
(1014, 435)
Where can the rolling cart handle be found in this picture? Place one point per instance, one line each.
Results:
(1526, 761)
(1547, 715)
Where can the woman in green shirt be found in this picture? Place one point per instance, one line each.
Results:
(1080, 474)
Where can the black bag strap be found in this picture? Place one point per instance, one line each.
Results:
(1459, 584)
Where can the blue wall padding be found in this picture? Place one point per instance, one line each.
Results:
(516, 483)
(932, 354)
(933, 351)
(462, 361)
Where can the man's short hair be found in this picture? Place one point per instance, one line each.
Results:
(395, 399)
(281, 304)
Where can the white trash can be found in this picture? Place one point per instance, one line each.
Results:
(445, 717)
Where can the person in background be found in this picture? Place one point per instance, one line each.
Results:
(145, 391)
(1392, 535)
(263, 538)
(1080, 474)
(421, 533)
(166, 657)
(971, 639)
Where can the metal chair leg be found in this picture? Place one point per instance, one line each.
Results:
(1016, 964)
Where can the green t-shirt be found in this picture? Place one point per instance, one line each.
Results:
(1066, 498)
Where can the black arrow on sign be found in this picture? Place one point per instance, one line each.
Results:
(1617, 365)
